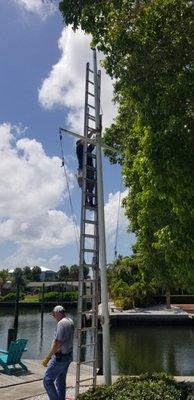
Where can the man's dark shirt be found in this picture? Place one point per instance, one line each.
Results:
(79, 152)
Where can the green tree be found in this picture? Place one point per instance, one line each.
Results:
(63, 273)
(126, 282)
(149, 51)
(36, 271)
(27, 273)
(18, 279)
(74, 272)
(4, 275)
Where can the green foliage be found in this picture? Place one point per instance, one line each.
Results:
(126, 283)
(144, 387)
(55, 296)
(74, 272)
(149, 51)
(11, 297)
(27, 273)
(4, 275)
(36, 271)
(63, 273)
(18, 278)
(98, 393)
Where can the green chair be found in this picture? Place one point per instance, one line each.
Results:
(13, 355)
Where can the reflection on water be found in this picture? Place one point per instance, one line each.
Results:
(137, 349)
(134, 349)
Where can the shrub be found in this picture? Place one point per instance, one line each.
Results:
(70, 296)
(98, 393)
(144, 387)
(55, 296)
(51, 296)
(9, 297)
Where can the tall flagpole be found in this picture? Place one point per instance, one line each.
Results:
(101, 228)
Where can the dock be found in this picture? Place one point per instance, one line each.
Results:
(178, 314)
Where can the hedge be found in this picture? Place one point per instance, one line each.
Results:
(144, 387)
(11, 297)
(56, 296)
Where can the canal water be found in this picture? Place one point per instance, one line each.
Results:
(134, 349)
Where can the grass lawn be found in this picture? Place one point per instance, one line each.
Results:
(31, 298)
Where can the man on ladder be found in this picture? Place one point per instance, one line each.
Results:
(90, 170)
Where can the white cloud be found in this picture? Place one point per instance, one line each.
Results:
(40, 7)
(30, 181)
(26, 256)
(114, 212)
(65, 84)
(32, 186)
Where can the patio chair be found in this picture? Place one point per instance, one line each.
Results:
(13, 356)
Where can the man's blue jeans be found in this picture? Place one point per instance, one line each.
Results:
(55, 377)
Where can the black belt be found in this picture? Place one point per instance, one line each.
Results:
(61, 356)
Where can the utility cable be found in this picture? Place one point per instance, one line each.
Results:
(69, 194)
(117, 225)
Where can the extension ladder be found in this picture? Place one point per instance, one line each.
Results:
(88, 294)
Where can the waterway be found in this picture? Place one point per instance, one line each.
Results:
(134, 349)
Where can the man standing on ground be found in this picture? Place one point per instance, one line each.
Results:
(59, 356)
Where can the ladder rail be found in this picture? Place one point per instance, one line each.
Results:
(90, 298)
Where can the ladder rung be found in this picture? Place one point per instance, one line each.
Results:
(87, 362)
(90, 221)
(88, 296)
(87, 345)
(90, 266)
(90, 250)
(90, 194)
(90, 328)
(92, 83)
(85, 379)
(90, 128)
(87, 312)
(90, 105)
(91, 94)
(88, 235)
(91, 70)
(91, 117)
(88, 280)
(88, 207)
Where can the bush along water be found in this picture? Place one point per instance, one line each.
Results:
(54, 296)
(144, 387)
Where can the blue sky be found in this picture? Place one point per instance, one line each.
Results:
(42, 77)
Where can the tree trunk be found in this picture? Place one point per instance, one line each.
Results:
(168, 305)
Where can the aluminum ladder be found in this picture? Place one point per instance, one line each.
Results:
(88, 291)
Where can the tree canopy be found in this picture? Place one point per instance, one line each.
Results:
(149, 51)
